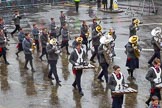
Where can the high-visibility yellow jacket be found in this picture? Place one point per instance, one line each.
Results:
(76, 0)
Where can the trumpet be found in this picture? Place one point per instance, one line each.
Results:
(137, 22)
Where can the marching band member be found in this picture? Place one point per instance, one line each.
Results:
(44, 40)
(84, 31)
(77, 57)
(77, 39)
(94, 24)
(27, 47)
(62, 21)
(53, 29)
(116, 83)
(35, 33)
(65, 38)
(96, 41)
(53, 55)
(3, 46)
(156, 44)
(21, 36)
(2, 26)
(133, 53)
(154, 102)
(16, 18)
(154, 75)
(103, 57)
(133, 28)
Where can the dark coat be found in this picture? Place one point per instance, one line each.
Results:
(44, 40)
(51, 51)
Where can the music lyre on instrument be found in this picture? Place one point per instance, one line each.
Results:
(89, 66)
(125, 91)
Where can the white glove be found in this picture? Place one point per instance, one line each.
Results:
(135, 47)
(76, 64)
(54, 47)
(105, 48)
(156, 80)
(30, 49)
(99, 34)
(57, 52)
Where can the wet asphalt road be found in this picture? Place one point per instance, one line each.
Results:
(23, 89)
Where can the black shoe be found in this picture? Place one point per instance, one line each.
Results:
(101, 80)
(81, 93)
(147, 103)
(33, 70)
(92, 61)
(74, 85)
(68, 53)
(25, 67)
(50, 77)
(132, 77)
(17, 54)
(129, 71)
(11, 35)
(7, 63)
(57, 83)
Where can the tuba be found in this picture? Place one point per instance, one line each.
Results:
(105, 40)
(133, 40)
(137, 51)
(156, 33)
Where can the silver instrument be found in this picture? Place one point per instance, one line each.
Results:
(125, 90)
(89, 66)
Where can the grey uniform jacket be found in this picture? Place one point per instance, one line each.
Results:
(113, 83)
(52, 26)
(35, 33)
(51, 52)
(44, 40)
(27, 44)
(150, 76)
(73, 57)
(95, 38)
(64, 33)
(21, 36)
(62, 20)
